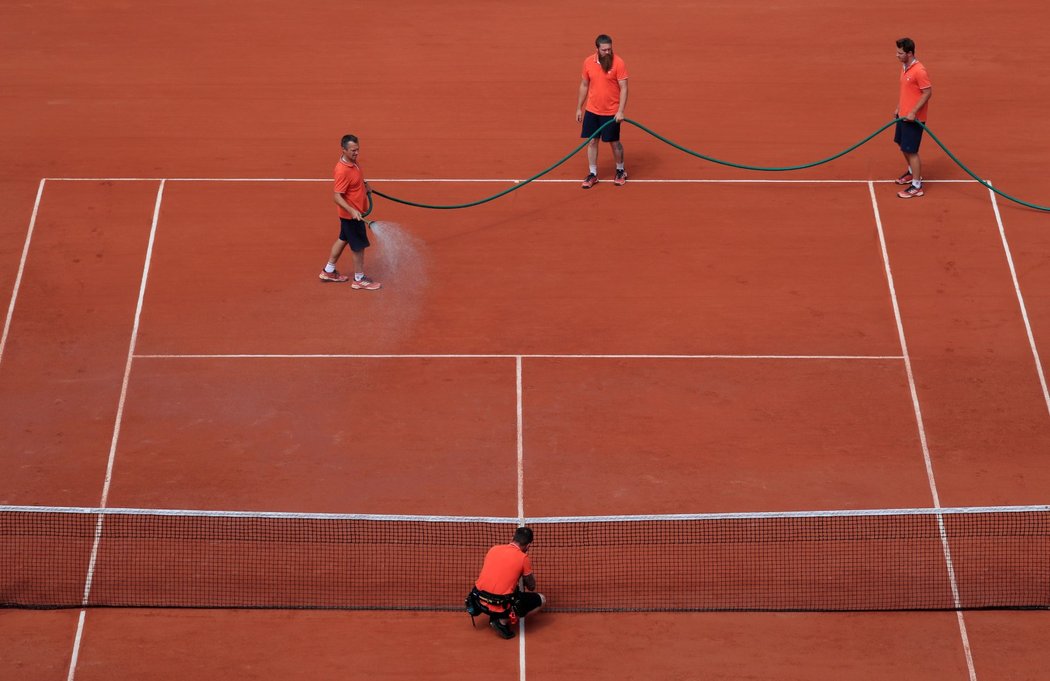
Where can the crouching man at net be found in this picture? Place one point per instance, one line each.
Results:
(496, 592)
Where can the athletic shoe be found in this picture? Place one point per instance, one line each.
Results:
(589, 181)
(911, 192)
(366, 284)
(904, 179)
(502, 629)
(621, 178)
(333, 276)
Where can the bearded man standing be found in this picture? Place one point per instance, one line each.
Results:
(604, 91)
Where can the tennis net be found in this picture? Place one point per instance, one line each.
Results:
(910, 559)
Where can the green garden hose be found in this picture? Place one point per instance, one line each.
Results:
(774, 169)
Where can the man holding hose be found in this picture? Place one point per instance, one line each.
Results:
(916, 90)
(351, 196)
(604, 91)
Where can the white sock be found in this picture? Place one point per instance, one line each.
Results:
(330, 267)
(619, 166)
(358, 276)
(594, 170)
(915, 183)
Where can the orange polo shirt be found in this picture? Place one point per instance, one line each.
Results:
(603, 89)
(914, 80)
(350, 182)
(504, 565)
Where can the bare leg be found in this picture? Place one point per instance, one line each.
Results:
(592, 152)
(337, 250)
(359, 261)
(914, 163)
(617, 150)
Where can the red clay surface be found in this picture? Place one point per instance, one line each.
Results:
(290, 645)
(378, 436)
(201, 90)
(814, 283)
(68, 342)
(703, 436)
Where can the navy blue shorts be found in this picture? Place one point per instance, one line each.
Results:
(354, 233)
(592, 121)
(908, 135)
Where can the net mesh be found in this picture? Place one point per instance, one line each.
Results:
(917, 559)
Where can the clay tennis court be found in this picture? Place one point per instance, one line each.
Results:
(702, 340)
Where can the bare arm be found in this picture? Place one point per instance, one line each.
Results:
(581, 99)
(341, 202)
(529, 581)
(623, 100)
(923, 98)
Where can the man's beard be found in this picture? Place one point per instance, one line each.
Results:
(606, 61)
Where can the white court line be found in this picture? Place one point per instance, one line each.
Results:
(131, 355)
(538, 520)
(922, 436)
(76, 644)
(483, 180)
(521, 649)
(21, 269)
(1020, 299)
(522, 356)
(674, 517)
(521, 442)
(116, 433)
(904, 349)
(521, 500)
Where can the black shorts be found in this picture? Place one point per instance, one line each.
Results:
(524, 603)
(908, 135)
(592, 121)
(354, 233)
(527, 602)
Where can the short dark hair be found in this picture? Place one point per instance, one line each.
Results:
(523, 536)
(602, 39)
(347, 139)
(906, 44)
